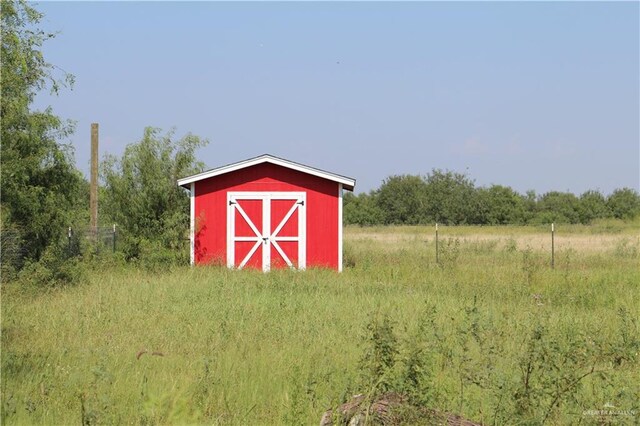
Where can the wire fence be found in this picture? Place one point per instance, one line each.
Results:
(553, 249)
(103, 238)
(12, 251)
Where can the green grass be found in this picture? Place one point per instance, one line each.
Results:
(242, 347)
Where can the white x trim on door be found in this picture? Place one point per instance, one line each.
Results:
(262, 235)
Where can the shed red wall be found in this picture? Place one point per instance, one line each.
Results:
(322, 210)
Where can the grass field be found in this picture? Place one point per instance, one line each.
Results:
(491, 333)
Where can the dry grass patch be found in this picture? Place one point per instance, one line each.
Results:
(517, 237)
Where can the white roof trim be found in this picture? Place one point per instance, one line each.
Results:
(347, 183)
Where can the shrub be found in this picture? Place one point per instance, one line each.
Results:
(57, 266)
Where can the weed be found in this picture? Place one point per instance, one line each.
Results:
(449, 253)
(627, 249)
(418, 359)
(530, 265)
(511, 246)
(627, 347)
(567, 265)
(380, 354)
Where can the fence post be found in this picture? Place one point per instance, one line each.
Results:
(437, 254)
(553, 254)
(114, 237)
(69, 239)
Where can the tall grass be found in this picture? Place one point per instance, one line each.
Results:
(491, 333)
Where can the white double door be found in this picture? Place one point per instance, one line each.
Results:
(266, 230)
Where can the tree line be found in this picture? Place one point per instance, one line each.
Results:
(453, 198)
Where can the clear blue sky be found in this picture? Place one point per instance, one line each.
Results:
(541, 96)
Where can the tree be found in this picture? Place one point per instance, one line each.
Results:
(593, 205)
(362, 209)
(501, 205)
(41, 187)
(624, 203)
(402, 200)
(559, 207)
(450, 198)
(140, 190)
(530, 205)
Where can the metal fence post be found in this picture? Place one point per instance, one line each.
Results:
(69, 239)
(114, 237)
(553, 254)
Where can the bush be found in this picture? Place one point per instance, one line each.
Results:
(57, 266)
(142, 197)
(151, 254)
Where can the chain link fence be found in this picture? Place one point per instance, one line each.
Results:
(12, 251)
(102, 239)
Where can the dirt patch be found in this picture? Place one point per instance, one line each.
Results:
(389, 409)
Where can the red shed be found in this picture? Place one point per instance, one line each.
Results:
(267, 212)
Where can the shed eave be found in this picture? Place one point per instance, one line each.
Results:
(347, 183)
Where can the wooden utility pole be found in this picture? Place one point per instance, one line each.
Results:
(93, 194)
